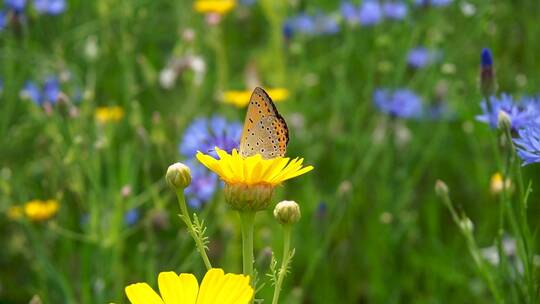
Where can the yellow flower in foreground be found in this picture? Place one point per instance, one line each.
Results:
(216, 288)
(109, 114)
(220, 7)
(241, 98)
(250, 181)
(496, 183)
(38, 210)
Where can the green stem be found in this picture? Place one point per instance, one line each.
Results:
(473, 249)
(524, 231)
(284, 262)
(185, 217)
(218, 44)
(247, 219)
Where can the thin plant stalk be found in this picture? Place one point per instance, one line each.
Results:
(184, 215)
(463, 222)
(284, 262)
(247, 220)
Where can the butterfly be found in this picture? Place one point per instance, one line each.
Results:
(265, 131)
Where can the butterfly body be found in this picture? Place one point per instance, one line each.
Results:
(265, 131)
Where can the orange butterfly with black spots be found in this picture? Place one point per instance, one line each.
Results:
(265, 131)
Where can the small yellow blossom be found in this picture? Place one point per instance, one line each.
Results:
(220, 7)
(216, 288)
(496, 183)
(109, 114)
(253, 170)
(38, 210)
(241, 98)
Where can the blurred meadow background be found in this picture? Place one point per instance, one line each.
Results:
(383, 98)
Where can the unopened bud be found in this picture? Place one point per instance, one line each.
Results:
(466, 224)
(487, 73)
(178, 176)
(287, 212)
(504, 122)
(441, 188)
(91, 48)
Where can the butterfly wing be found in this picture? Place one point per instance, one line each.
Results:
(265, 131)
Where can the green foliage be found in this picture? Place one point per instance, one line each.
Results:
(383, 236)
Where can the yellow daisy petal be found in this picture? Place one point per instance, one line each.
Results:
(209, 162)
(209, 285)
(173, 289)
(233, 290)
(252, 170)
(299, 172)
(142, 293)
(217, 287)
(190, 286)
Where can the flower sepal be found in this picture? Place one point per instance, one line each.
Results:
(243, 197)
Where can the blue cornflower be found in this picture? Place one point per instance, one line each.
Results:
(487, 73)
(131, 216)
(51, 7)
(203, 185)
(49, 93)
(528, 144)
(486, 58)
(205, 134)
(395, 10)
(420, 57)
(16, 5)
(288, 29)
(31, 91)
(318, 24)
(402, 103)
(3, 20)
(435, 3)
(350, 12)
(304, 24)
(248, 2)
(326, 25)
(521, 113)
(370, 13)
(322, 210)
(438, 111)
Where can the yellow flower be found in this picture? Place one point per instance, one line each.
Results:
(241, 98)
(496, 183)
(250, 181)
(253, 170)
(38, 210)
(109, 114)
(220, 7)
(216, 288)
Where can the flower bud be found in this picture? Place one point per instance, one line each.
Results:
(248, 197)
(287, 212)
(466, 224)
(441, 188)
(178, 176)
(487, 74)
(504, 122)
(498, 183)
